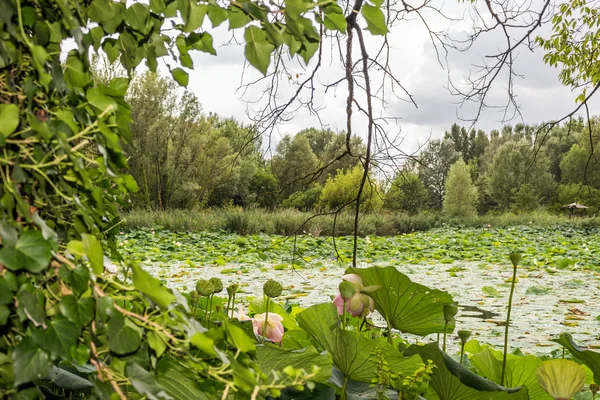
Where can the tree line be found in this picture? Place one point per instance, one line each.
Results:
(183, 158)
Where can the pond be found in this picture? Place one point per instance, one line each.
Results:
(557, 289)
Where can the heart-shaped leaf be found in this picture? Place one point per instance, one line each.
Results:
(406, 305)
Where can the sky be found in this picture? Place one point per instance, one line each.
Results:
(540, 95)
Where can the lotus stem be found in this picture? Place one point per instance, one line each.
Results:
(445, 328)
(232, 304)
(210, 302)
(344, 388)
(344, 316)
(462, 352)
(510, 297)
(390, 334)
(264, 330)
(196, 307)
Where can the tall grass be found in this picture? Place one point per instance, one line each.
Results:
(289, 221)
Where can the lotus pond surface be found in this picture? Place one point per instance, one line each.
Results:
(558, 287)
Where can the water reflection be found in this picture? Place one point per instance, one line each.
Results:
(476, 312)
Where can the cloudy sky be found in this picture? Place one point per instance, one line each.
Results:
(216, 81)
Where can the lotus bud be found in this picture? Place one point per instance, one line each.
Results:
(217, 284)
(450, 310)
(464, 336)
(272, 288)
(560, 378)
(205, 288)
(194, 295)
(594, 388)
(232, 289)
(515, 258)
(347, 290)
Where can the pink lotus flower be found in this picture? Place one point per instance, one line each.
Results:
(274, 326)
(356, 305)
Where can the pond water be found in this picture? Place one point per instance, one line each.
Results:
(546, 302)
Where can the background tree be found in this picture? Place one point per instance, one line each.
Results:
(434, 163)
(406, 193)
(342, 189)
(460, 198)
(513, 166)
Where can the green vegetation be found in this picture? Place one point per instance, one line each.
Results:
(290, 221)
(81, 318)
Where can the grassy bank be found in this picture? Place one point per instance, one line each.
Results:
(286, 222)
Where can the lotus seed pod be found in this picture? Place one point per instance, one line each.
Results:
(464, 336)
(232, 289)
(193, 295)
(217, 284)
(272, 288)
(450, 310)
(347, 290)
(515, 258)
(594, 388)
(205, 288)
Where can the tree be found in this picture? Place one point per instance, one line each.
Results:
(460, 196)
(340, 191)
(434, 163)
(406, 193)
(514, 165)
(263, 188)
(581, 164)
(294, 164)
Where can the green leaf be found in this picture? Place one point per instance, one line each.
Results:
(69, 379)
(58, 337)
(451, 381)
(237, 18)
(137, 17)
(217, 14)
(590, 358)
(491, 291)
(151, 287)
(4, 314)
(180, 382)
(31, 253)
(93, 251)
(9, 119)
(352, 353)
(124, 337)
(258, 48)
(406, 305)
(520, 371)
(180, 76)
(273, 358)
(195, 17)
(32, 305)
(204, 343)
(375, 19)
(238, 338)
(99, 100)
(30, 362)
(6, 295)
(144, 382)
(537, 290)
(156, 343)
(78, 311)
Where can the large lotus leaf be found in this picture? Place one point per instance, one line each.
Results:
(451, 381)
(272, 358)
(520, 371)
(352, 353)
(179, 381)
(590, 358)
(406, 305)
